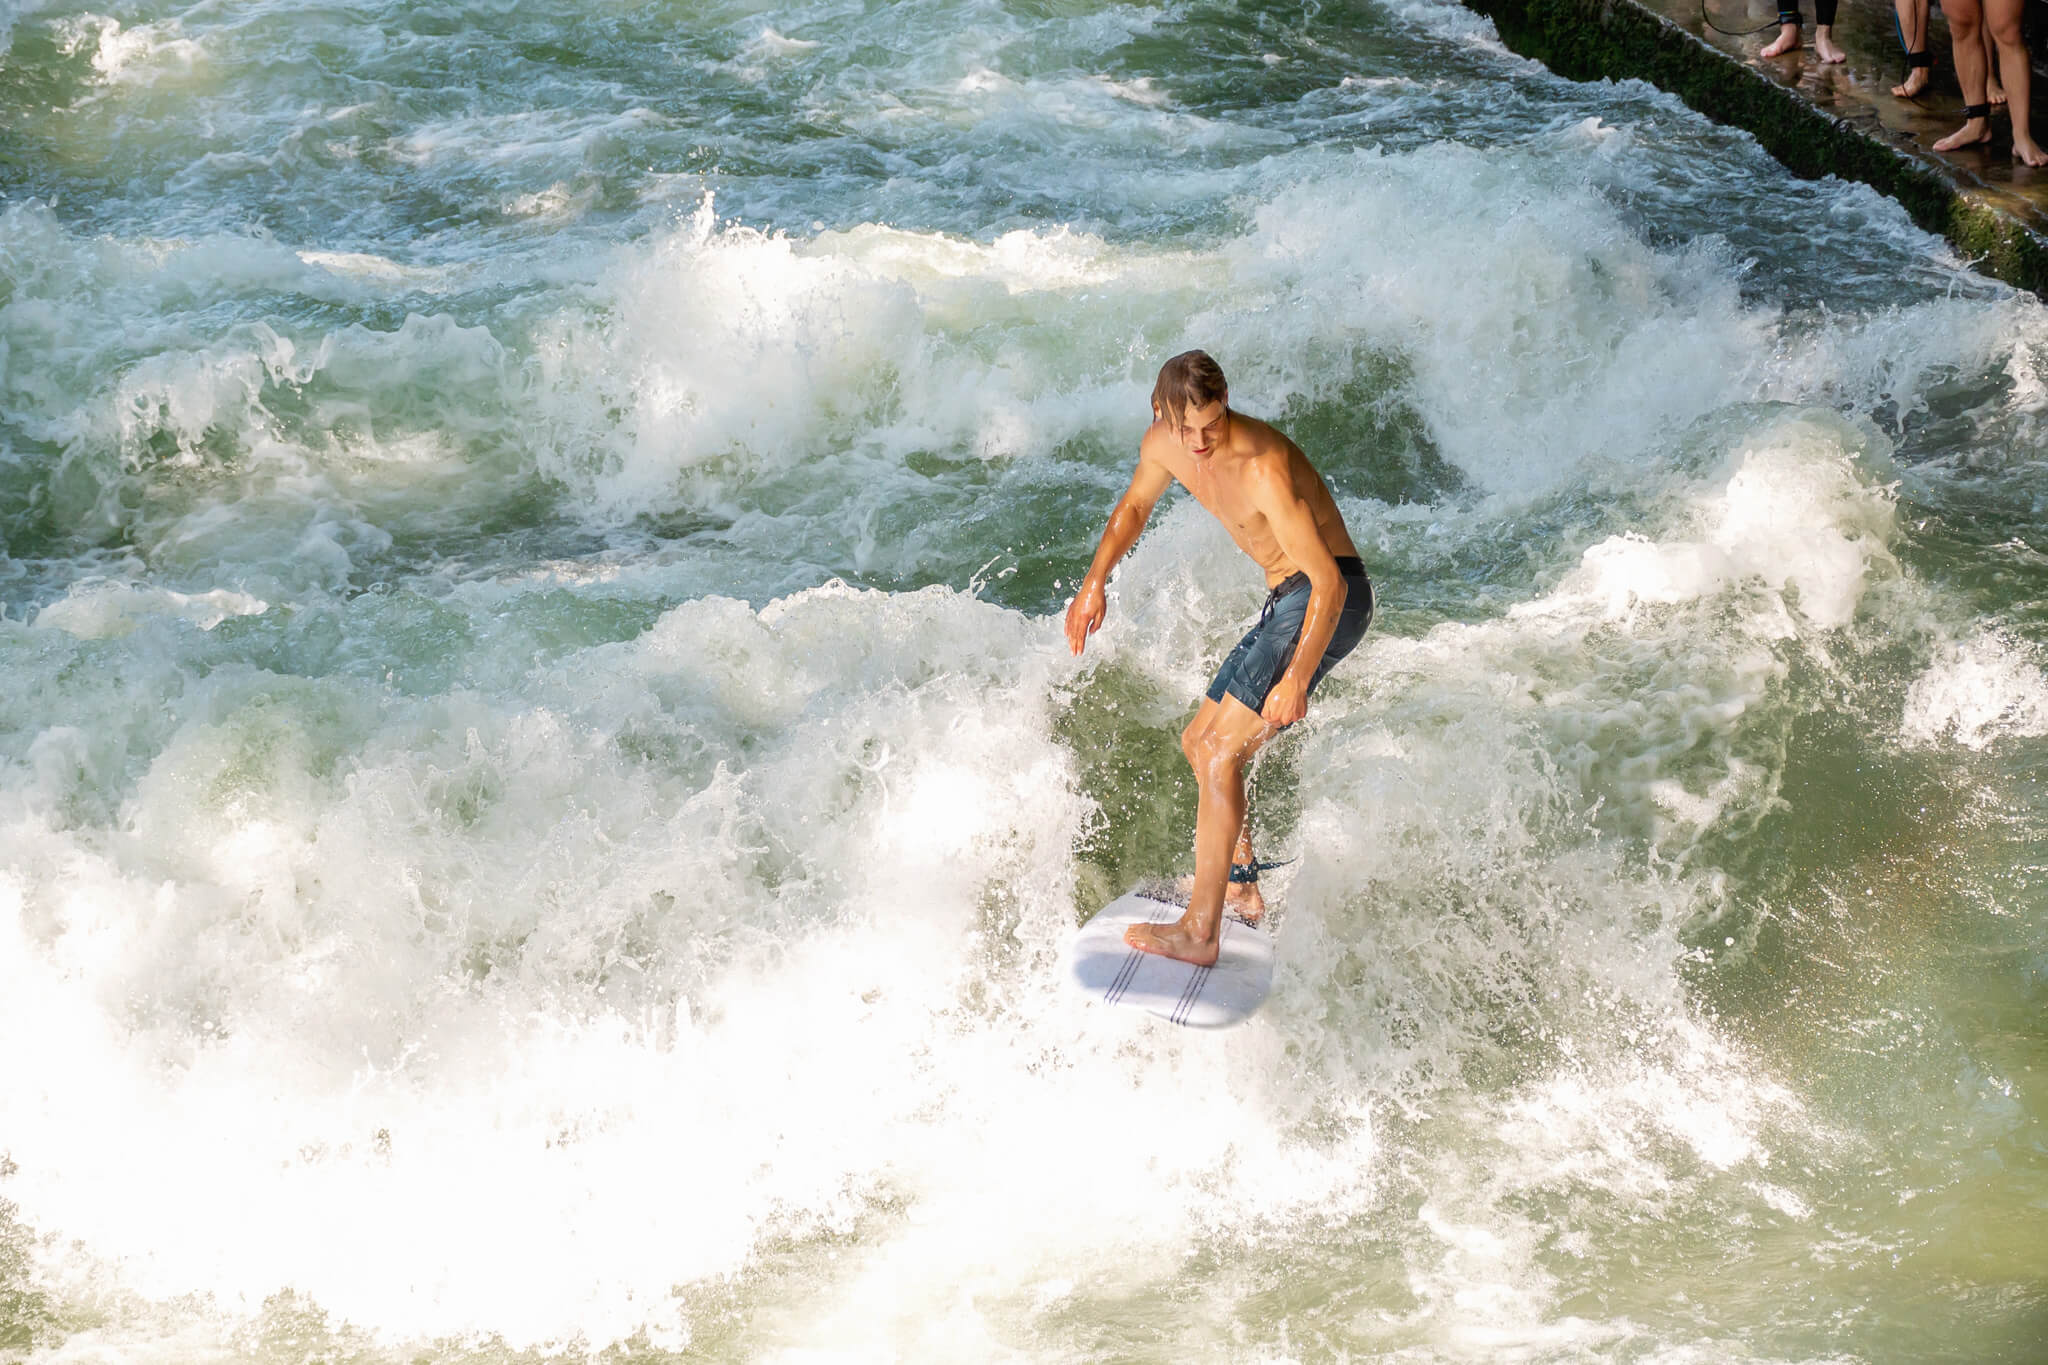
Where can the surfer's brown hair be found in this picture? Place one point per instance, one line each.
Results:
(1189, 378)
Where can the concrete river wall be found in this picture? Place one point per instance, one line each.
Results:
(1833, 120)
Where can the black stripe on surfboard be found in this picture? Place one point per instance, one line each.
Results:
(1188, 995)
(1124, 974)
(1132, 962)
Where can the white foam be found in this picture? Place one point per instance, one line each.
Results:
(1141, 91)
(775, 44)
(1484, 1272)
(1795, 516)
(133, 55)
(181, 438)
(526, 135)
(381, 269)
(735, 353)
(100, 611)
(1583, 355)
(560, 202)
(1453, 21)
(800, 964)
(766, 53)
(1976, 692)
(1051, 117)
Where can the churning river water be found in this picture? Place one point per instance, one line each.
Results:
(541, 789)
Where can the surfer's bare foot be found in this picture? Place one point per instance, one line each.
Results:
(1175, 941)
(1786, 41)
(2025, 149)
(1244, 900)
(1824, 45)
(1915, 82)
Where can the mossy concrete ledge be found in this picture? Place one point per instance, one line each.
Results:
(1622, 39)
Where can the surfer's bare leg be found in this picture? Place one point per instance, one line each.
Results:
(1243, 899)
(1219, 749)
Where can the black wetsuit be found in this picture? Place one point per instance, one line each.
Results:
(1823, 13)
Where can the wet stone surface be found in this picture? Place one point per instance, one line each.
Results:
(1819, 118)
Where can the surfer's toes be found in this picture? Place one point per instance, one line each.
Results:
(1145, 939)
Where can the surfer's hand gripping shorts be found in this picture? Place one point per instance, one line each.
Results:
(1268, 647)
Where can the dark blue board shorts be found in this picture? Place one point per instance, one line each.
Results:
(1268, 647)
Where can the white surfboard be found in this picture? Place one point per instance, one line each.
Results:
(1110, 970)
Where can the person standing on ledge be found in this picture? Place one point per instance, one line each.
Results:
(1910, 17)
(1318, 604)
(1965, 20)
(1823, 31)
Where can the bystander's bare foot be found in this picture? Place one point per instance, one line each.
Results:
(1786, 41)
(1915, 82)
(1975, 133)
(1994, 93)
(1824, 45)
(1174, 941)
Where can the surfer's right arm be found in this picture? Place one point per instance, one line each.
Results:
(1126, 520)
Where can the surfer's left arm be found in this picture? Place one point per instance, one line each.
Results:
(1294, 526)
(1126, 520)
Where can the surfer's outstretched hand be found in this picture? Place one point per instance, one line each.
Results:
(1084, 615)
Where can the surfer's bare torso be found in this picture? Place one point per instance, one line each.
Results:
(1221, 479)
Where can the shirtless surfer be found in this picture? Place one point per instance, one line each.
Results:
(1279, 511)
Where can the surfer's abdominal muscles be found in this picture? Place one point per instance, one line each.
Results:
(1177, 941)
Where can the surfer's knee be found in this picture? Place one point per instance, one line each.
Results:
(1213, 756)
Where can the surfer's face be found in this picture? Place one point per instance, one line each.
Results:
(1202, 428)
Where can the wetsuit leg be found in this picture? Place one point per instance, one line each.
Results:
(1823, 13)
